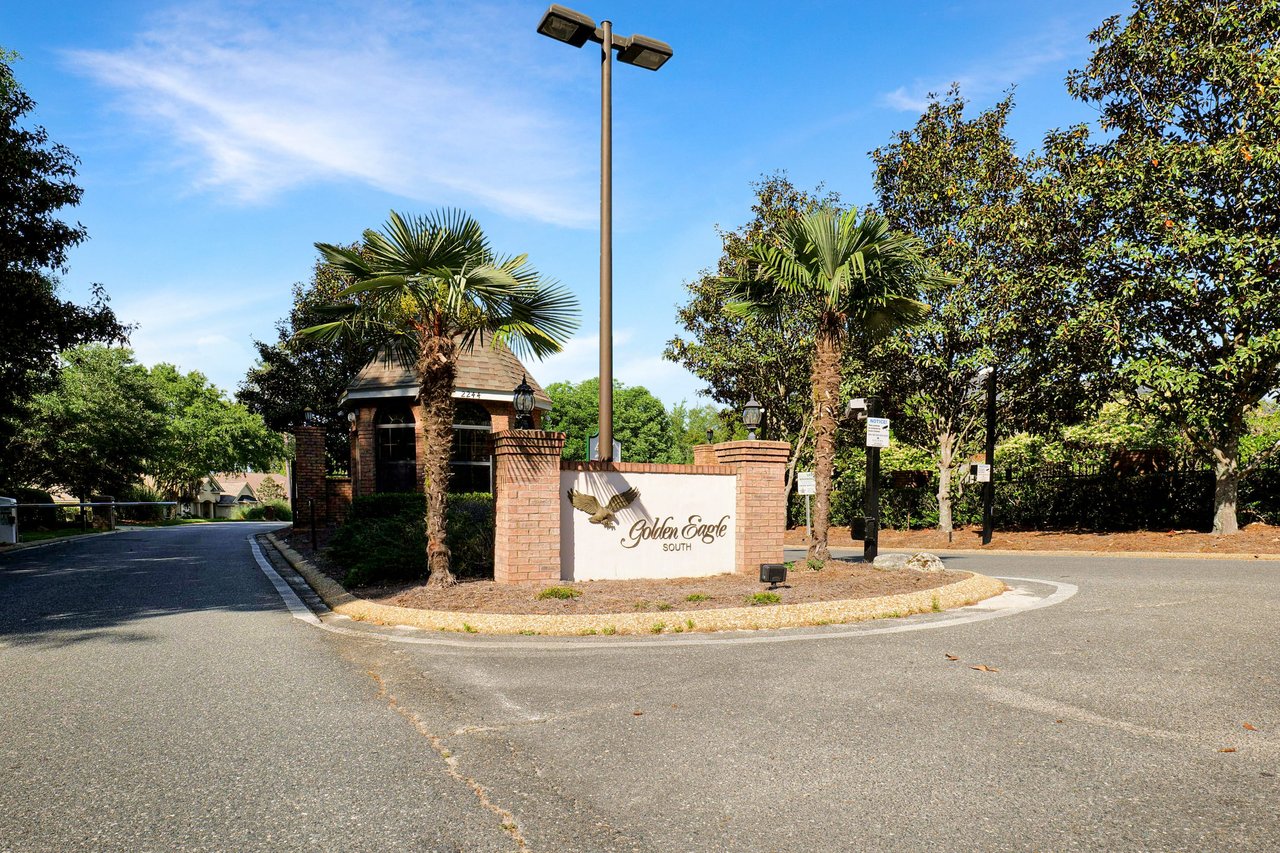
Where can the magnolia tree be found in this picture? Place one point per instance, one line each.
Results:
(1181, 196)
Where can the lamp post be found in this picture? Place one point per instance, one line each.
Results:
(576, 29)
(989, 487)
(751, 417)
(522, 400)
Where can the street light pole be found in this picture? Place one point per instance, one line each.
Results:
(576, 29)
(604, 449)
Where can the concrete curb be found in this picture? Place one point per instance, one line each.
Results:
(28, 546)
(962, 593)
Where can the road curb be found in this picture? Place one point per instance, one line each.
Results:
(28, 546)
(971, 590)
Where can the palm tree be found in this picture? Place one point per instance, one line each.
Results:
(426, 287)
(864, 278)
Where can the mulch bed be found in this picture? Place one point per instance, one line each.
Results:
(1257, 538)
(836, 581)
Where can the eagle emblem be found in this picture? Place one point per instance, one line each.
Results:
(602, 514)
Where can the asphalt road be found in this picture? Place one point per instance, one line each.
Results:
(156, 695)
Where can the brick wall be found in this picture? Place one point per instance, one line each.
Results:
(527, 513)
(338, 499)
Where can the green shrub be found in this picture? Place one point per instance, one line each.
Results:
(266, 511)
(385, 539)
(140, 492)
(758, 598)
(564, 593)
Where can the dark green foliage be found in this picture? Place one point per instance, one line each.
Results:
(736, 357)
(297, 373)
(265, 511)
(640, 422)
(384, 539)
(470, 526)
(35, 325)
(388, 505)
(31, 518)
(140, 492)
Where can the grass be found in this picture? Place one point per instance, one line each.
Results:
(657, 627)
(688, 623)
(46, 535)
(697, 596)
(937, 605)
(563, 593)
(665, 606)
(814, 564)
(470, 629)
(757, 599)
(609, 630)
(588, 632)
(642, 604)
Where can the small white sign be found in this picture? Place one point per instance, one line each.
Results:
(981, 473)
(877, 432)
(593, 449)
(805, 483)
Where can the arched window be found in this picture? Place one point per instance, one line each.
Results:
(471, 461)
(397, 449)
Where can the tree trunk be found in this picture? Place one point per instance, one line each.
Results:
(437, 368)
(1226, 486)
(946, 456)
(826, 399)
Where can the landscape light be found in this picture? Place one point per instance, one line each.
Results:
(773, 573)
(522, 400)
(751, 417)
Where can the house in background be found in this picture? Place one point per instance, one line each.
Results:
(220, 493)
(387, 447)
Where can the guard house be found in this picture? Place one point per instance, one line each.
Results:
(387, 446)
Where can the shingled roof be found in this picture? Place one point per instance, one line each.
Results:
(485, 372)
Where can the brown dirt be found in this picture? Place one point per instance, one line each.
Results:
(837, 581)
(1255, 539)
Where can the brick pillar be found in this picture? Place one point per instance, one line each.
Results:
(761, 501)
(705, 454)
(309, 472)
(363, 465)
(527, 513)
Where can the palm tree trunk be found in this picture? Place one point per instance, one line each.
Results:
(437, 369)
(826, 399)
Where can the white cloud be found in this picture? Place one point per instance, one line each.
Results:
(990, 77)
(434, 102)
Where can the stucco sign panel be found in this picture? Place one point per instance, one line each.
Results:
(640, 525)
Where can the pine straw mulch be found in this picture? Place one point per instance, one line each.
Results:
(1257, 538)
(836, 581)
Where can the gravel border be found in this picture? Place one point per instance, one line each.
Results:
(969, 591)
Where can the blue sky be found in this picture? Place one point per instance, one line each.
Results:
(219, 140)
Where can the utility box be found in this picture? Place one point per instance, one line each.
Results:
(8, 521)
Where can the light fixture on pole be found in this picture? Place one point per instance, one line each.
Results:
(576, 29)
(751, 417)
(989, 487)
(522, 400)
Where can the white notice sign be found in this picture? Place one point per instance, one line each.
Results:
(877, 432)
(981, 473)
(805, 484)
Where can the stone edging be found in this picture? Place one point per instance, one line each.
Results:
(969, 591)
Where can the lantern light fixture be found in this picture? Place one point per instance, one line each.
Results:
(751, 413)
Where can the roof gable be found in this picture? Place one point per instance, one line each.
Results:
(488, 367)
